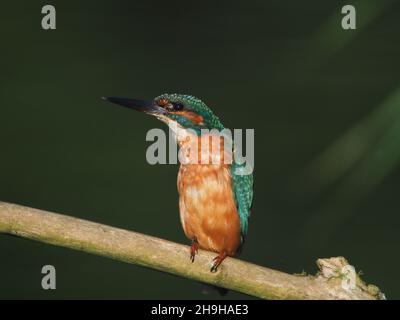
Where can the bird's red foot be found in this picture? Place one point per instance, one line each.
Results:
(217, 261)
(194, 249)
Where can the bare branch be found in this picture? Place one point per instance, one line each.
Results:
(166, 256)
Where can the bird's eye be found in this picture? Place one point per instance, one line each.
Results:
(177, 106)
(170, 106)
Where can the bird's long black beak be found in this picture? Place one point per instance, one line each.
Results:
(147, 106)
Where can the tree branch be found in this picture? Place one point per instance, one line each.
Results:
(166, 256)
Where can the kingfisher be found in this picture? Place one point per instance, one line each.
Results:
(215, 197)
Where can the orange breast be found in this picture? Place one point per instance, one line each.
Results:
(207, 207)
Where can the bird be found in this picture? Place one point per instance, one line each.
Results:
(215, 199)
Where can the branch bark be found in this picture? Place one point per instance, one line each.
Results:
(166, 256)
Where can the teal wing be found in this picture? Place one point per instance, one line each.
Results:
(243, 190)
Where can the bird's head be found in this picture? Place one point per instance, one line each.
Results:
(184, 111)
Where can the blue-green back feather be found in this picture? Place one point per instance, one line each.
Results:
(243, 191)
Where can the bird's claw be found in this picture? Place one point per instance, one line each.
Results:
(217, 261)
(194, 249)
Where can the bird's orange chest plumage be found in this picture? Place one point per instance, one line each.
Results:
(207, 207)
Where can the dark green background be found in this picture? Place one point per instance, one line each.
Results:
(324, 103)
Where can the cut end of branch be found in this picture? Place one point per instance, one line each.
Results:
(339, 272)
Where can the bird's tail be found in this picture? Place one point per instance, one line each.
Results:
(209, 288)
